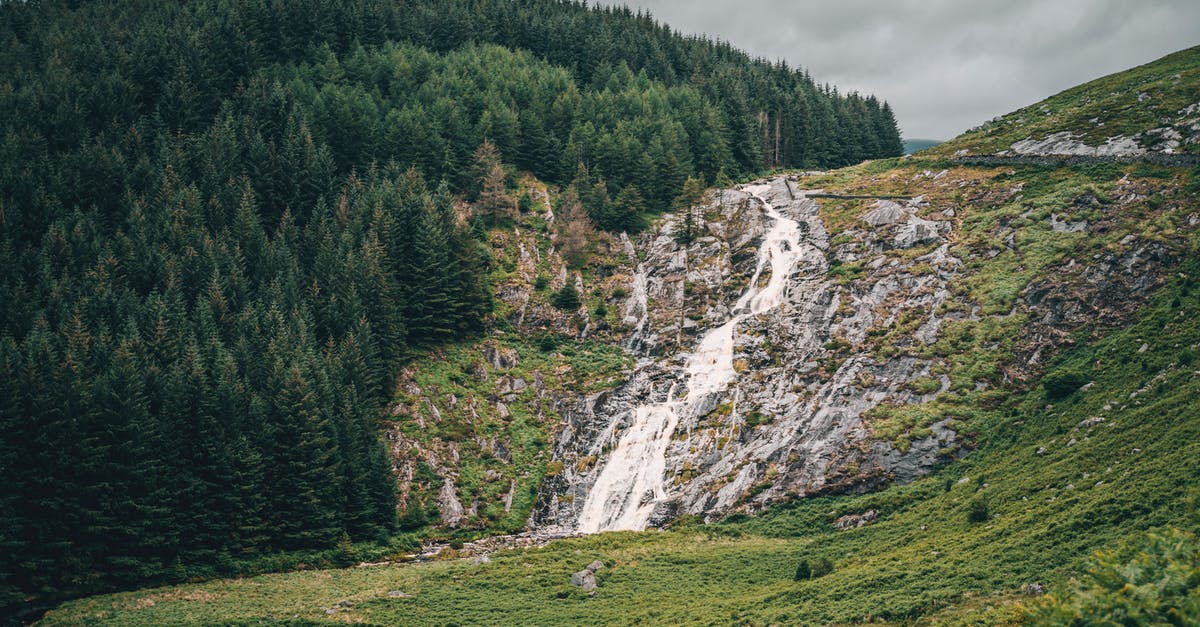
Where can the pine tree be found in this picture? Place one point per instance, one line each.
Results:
(302, 507)
(484, 160)
(688, 204)
(628, 210)
(494, 201)
(567, 298)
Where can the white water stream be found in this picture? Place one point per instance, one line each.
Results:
(632, 482)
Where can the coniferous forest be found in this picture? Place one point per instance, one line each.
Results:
(225, 225)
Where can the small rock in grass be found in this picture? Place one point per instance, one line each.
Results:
(585, 579)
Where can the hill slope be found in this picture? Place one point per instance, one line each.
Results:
(1057, 487)
(1065, 362)
(1151, 108)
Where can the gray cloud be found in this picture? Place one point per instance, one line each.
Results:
(946, 65)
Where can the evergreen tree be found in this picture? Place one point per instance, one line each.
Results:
(494, 201)
(484, 161)
(567, 298)
(688, 204)
(302, 503)
(627, 211)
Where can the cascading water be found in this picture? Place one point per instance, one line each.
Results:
(631, 484)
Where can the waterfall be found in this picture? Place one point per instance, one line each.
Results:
(632, 481)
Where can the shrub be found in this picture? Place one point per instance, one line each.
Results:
(756, 418)
(819, 567)
(977, 510)
(547, 342)
(541, 282)
(1152, 581)
(566, 298)
(1062, 383)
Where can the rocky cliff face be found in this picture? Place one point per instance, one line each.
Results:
(803, 343)
(838, 386)
(791, 420)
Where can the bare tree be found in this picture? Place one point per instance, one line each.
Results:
(573, 229)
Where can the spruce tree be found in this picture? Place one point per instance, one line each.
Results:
(494, 201)
(688, 205)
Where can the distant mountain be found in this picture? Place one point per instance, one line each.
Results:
(917, 145)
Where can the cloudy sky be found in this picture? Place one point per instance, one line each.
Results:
(945, 65)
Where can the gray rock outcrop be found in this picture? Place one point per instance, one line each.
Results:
(796, 416)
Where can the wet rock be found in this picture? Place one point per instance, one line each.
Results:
(790, 422)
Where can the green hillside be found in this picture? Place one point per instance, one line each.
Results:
(1097, 448)
(1161, 94)
(1045, 514)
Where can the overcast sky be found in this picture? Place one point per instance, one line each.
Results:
(945, 65)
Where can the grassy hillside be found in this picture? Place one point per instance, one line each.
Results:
(1154, 95)
(1054, 491)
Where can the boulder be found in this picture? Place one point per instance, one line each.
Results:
(500, 358)
(885, 213)
(916, 231)
(585, 579)
(854, 521)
